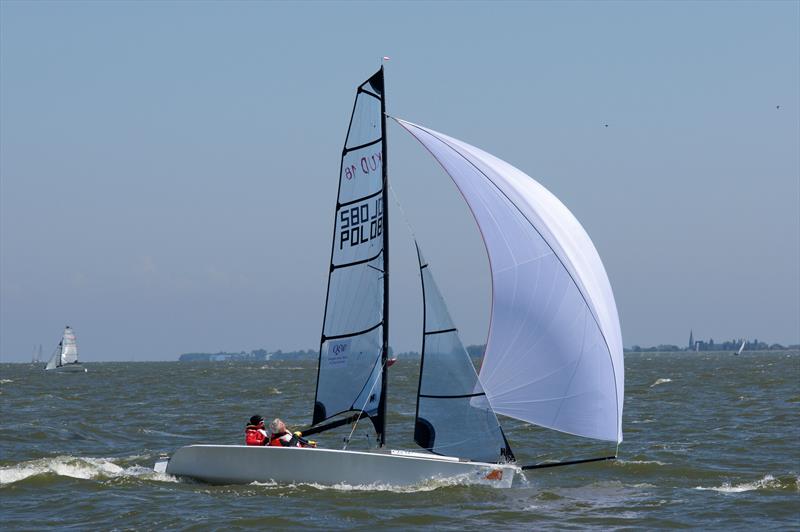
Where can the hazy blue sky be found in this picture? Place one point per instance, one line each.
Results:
(168, 171)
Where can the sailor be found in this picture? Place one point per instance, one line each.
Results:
(255, 433)
(279, 436)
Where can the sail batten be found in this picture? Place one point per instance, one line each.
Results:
(350, 376)
(554, 350)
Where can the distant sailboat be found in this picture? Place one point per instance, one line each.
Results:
(65, 357)
(554, 352)
(36, 358)
(741, 348)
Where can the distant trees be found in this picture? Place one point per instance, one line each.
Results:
(710, 345)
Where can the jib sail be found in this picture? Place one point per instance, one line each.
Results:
(453, 416)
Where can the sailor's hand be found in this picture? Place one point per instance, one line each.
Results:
(298, 433)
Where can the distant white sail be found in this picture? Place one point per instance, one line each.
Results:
(742, 347)
(554, 353)
(55, 359)
(69, 348)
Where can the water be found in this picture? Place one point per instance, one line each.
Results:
(711, 441)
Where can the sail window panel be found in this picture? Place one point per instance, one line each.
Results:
(545, 334)
(355, 298)
(452, 427)
(358, 232)
(365, 126)
(349, 377)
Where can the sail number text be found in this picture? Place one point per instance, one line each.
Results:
(367, 165)
(361, 223)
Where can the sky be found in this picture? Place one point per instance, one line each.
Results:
(168, 171)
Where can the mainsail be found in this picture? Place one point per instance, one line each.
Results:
(554, 353)
(69, 348)
(353, 347)
(453, 416)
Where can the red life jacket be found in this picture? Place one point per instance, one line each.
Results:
(275, 441)
(254, 436)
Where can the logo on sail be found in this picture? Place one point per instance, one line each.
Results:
(338, 353)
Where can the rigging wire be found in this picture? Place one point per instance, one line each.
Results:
(403, 213)
(355, 423)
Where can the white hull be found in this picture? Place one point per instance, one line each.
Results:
(77, 367)
(240, 464)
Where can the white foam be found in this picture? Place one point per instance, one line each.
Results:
(429, 485)
(77, 467)
(626, 462)
(660, 381)
(5, 381)
(768, 482)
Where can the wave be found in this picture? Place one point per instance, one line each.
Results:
(429, 485)
(170, 434)
(660, 381)
(5, 381)
(768, 482)
(79, 467)
(639, 462)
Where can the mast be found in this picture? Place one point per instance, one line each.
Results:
(385, 348)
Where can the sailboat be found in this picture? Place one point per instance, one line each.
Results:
(554, 351)
(741, 348)
(65, 357)
(36, 358)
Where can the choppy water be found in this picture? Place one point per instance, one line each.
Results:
(711, 441)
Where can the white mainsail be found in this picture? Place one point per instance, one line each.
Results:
(351, 370)
(554, 353)
(69, 347)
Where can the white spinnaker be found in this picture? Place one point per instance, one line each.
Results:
(554, 353)
(69, 347)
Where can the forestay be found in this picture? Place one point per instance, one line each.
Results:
(453, 417)
(554, 351)
(350, 374)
